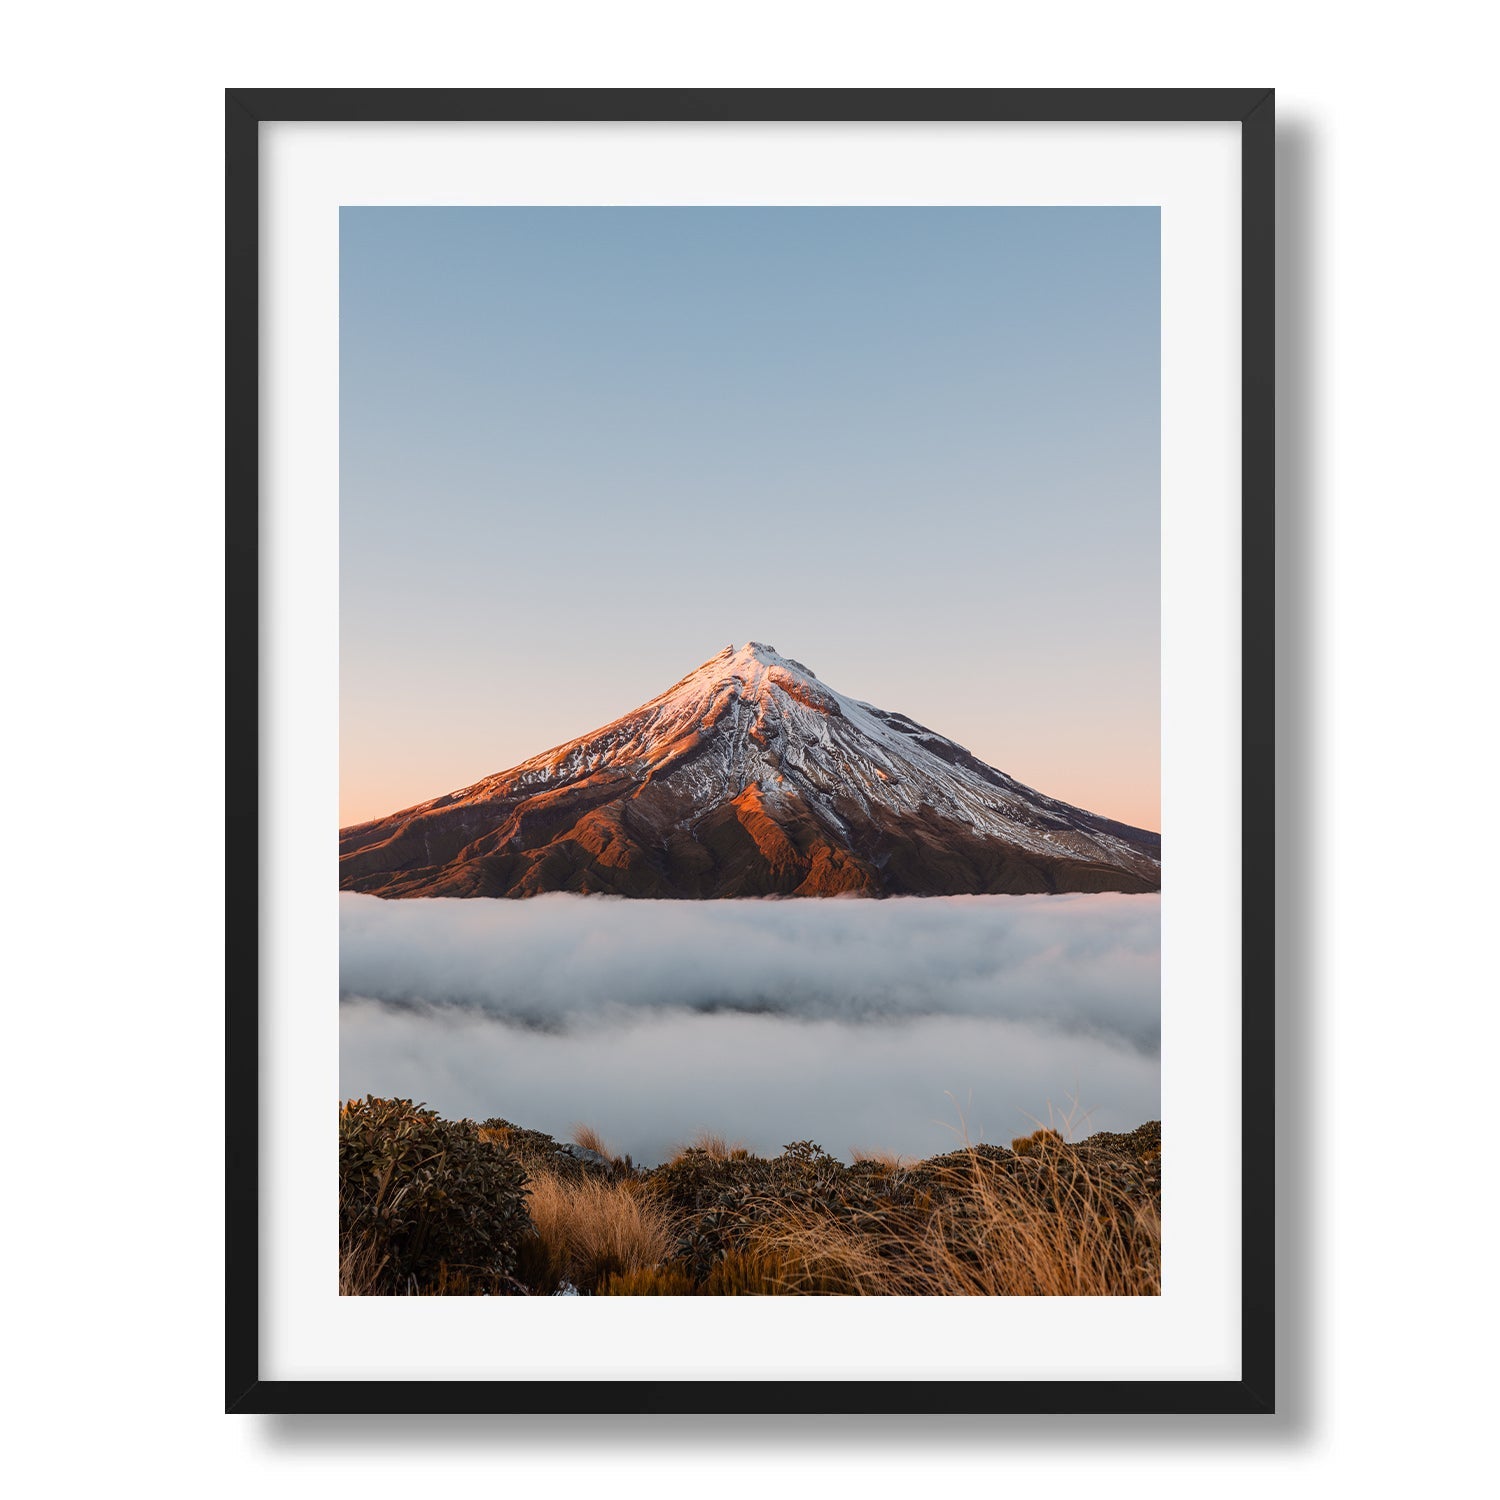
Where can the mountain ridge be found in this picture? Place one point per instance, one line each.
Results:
(748, 777)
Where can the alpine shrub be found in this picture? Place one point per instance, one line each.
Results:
(422, 1198)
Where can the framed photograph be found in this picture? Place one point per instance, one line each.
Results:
(773, 592)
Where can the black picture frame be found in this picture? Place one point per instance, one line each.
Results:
(245, 111)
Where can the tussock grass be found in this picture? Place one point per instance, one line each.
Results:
(361, 1263)
(1037, 1142)
(363, 1256)
(658, 1281)
(590, 1140)
(713, 1145)
(1048, 1229)
(748, 1273)
(590, 1229)
(435, 1208)
(886, 1161)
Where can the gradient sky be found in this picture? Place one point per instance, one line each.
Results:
(583, 449)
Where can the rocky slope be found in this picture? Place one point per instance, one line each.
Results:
(749, 777)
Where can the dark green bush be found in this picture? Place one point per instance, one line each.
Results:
(541, 1153)
(808, 1154)
(720, 1202)
(422, 1198)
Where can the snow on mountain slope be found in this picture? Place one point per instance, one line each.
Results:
(748, 777)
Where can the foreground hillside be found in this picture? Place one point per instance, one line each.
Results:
(431, 1207)
(749, 777)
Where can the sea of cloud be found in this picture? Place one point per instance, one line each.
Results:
(883, 1024)
(1084, 963)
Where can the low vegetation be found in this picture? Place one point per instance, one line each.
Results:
(590, 1229)
(433, 1207)
(425, 1204)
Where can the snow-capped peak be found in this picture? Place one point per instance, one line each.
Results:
(754, 736)
(750, 658)
(751, 718)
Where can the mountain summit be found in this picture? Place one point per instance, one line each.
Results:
(749, 777)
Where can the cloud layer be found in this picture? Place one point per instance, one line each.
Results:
(908, 1086)
(891, 1024)
(1077, 963)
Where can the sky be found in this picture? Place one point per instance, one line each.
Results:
(583, 449)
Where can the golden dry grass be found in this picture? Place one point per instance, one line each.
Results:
(590, 1230)
(590, 1140)
(658, 1281)
(887, 1161)
(1055, 1232)
(1046, 1219)
(714, 1145)
(360, 1265)
(362, 1261)
(1038, 1141)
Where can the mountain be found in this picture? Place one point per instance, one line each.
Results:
(748, 778)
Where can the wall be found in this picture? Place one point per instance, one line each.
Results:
(112, 609)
